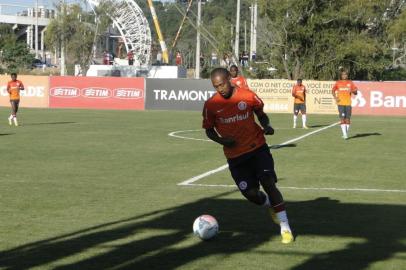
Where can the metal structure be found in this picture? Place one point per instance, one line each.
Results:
(133, 27)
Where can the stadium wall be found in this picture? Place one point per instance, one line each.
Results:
(35, 94)
(374, 98)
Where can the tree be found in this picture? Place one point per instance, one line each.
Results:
(77, 31)
(14, 55)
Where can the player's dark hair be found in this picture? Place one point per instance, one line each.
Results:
(233, 66)
(299, 80)
(13, 74)
(220, 71)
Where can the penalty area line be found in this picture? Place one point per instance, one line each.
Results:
(219, 169)
(312, 188)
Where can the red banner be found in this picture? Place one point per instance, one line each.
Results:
(380, 98)
(97, 93)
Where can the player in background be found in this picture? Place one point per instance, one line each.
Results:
(13, 88)
(229, 119)
(342, 91)
(236, 79)
(299, 93)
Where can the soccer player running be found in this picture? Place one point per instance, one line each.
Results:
(228, 118)
(299, 93)
(342, 91)
(13, 88)
(236, 79)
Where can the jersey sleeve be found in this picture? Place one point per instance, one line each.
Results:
(353, 87)
(294, 91)
(257, 103)
(334, 89)
(208, 117)
(8, 87)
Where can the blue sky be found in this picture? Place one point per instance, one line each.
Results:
(47, 3)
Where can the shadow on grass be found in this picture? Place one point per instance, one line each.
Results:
(318, 126)
(278, 146)
(243, 227)
(49, 123)
(363, 135)
(5, 134)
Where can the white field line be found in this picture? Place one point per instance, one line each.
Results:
(219, 169)
(312, 188)
(175, 134)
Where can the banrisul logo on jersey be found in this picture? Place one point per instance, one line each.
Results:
(97, 93)
(177, 94)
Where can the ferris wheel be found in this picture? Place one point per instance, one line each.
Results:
(133, 27)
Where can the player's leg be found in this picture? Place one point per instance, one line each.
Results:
(348, 118)
(295, 113)
(14, 110)
(304, 118)
(267, 177)
(342, 115)
(16, 104)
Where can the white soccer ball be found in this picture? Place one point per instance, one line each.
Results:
(205, 227)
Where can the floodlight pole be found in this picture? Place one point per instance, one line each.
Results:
(237, 31)
(199, 16)
(36, 29)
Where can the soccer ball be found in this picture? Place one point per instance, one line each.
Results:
(205, 227)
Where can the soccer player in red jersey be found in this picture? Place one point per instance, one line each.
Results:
(299, 93)
(13, 88)
(236, 79)
(342, 91)
(229, 119)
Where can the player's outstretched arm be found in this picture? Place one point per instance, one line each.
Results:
(213, 135)
(265, 122)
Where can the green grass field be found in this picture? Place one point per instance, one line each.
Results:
(82, 189)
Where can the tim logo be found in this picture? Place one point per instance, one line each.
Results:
(96, 92)
(128, 93)
(65, 92)
(358, 100)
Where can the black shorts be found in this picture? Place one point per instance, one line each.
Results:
(299, 107)
(344, 112)
(247, 170)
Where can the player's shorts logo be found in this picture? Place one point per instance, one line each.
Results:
(243, 185)
(242, 105)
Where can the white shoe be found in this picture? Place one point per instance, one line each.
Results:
(15, 121)
(10, 121)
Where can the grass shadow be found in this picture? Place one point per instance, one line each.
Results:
(363, 135)
(49, 123)
(5, 134)
(278, 146)
(243, 227)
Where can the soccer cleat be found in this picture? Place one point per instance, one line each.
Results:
(345, 137)
(9, 121)
(287, 237)
(274, 217)
(294, 126)
(305, 127)
(15, 122)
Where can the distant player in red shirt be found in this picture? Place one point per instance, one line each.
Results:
(342, 91)
(236, 79)
(229, 119)
(299, 93)
(13, 88)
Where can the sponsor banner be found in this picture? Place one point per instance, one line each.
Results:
(380, 98)
(374, 98)
(97, 93)
(35, 94)
(277, 95)
(177, 94)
